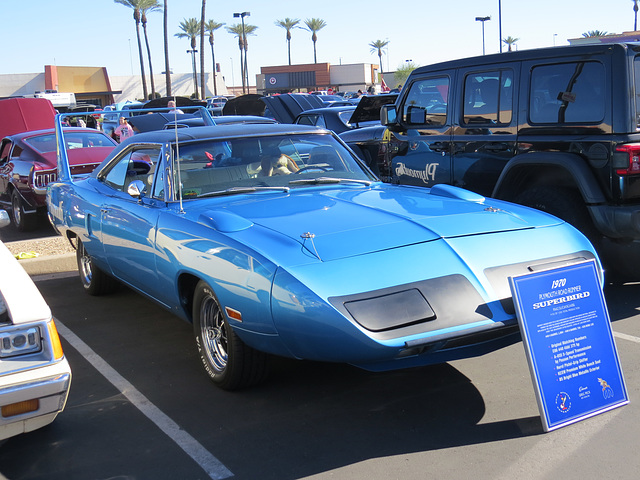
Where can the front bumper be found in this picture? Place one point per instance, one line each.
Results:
(47, 388)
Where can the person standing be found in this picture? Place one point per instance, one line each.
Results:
(123, 131)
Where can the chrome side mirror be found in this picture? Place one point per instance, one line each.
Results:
(136, 189)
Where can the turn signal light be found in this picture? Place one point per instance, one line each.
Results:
(20, 408)
(55, 341)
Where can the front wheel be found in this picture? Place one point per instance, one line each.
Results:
(94, 280)
(227, 360)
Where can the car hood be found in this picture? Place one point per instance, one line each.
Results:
(283, 108)
(347, 221)
(368, 108)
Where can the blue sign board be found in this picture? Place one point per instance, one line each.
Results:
(569, 343)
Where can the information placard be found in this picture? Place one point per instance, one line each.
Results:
(566, 332)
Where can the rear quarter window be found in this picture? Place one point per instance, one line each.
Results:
(567, 93)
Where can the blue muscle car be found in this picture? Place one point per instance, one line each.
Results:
(275, 239)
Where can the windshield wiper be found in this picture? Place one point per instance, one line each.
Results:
(326, 180)
(236, 190)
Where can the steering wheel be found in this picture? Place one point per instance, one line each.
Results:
(312, 167)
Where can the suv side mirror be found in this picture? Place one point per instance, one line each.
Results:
(388, 115)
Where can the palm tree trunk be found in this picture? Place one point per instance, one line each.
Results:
(167, 71)
(202, 20)
(213, 61)
(145, 92)
(146, 41)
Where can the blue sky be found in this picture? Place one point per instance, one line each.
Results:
(36, 33)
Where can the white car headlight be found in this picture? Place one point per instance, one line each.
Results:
(20, 341)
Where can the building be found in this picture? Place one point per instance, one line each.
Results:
(93, 86)
(317, 76)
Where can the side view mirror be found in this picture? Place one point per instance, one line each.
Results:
(136, 189)
(388, 115)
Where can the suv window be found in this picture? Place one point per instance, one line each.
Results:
(488, 98)
(426, 102)
(567, 93)
(636, 74)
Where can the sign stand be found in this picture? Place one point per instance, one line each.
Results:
(566, 332)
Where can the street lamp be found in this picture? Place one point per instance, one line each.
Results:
(244, 45)
(195, 75)
(482, 19)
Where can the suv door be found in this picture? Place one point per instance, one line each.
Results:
(423, 157)
(485, 131)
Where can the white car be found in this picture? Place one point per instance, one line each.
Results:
(34, 373)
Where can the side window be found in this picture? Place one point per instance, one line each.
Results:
(567, 93)
(426, 103)
(137, 164)
(488, 98)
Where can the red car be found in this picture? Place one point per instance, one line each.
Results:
(28, 163)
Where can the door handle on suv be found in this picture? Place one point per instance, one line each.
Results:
(496, 147)
(439, 146)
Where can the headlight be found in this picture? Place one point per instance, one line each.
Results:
(20, 341)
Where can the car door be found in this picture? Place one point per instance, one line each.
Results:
(484, 135)
(129, 224)
(5, 169)
(424, 155)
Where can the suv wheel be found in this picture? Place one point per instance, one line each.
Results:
(563, 203)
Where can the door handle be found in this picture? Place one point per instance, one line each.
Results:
(496, 147)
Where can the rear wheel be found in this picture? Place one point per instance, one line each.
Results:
(227, 360)
(94, 280)
(21, 220)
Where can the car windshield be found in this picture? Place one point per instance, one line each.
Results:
(81, 139)
(248, 163)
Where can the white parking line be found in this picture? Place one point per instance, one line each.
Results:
(624, 336)
(210, 464)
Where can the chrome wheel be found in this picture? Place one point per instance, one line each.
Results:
(213, 333)
(84, 266)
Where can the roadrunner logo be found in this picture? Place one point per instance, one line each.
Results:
(607, 391)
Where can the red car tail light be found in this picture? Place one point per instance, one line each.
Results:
(627, 159)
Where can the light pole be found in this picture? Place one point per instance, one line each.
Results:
(482, 19)
(195, 75)
(244, 45)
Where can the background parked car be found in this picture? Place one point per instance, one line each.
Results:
(28, 164)
(34, 373)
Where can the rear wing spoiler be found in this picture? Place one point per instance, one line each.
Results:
(64, 170)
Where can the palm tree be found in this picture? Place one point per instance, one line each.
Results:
(135, 5)
(377, 46)
(202, 21)
(288, 24)
(190, 29)
(148, 6)
(509, 41)
(595, 33)
(211, 26)
(315, 25)
(635, 15)
(237, 30)
(167, 70)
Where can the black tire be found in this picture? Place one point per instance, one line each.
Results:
(564, 203)
(227, 360)
(94, 280)
(24, 222)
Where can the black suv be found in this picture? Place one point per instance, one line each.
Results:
(557, 129)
